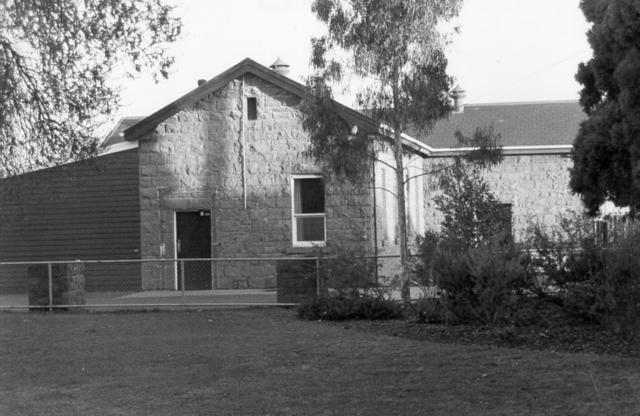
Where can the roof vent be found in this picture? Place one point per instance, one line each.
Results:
(280, 66)
(201, 81)
(458, 95)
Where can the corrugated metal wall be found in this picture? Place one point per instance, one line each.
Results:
(87, 210)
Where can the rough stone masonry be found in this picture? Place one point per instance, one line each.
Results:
(194, 161)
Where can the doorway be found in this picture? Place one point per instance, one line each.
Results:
(193, 241)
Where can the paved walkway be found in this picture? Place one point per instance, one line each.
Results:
(161, 298)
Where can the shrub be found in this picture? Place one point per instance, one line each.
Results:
(558, 256)
(340, 307)
(377, 309)
(609, 292)
(348, 272)
(427, 249)
(477, 283)
(472, 260)
(481, 284)
(431, 311)
(592, 281)
(472, 214)
(330, 308)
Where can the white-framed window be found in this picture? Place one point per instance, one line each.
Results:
(307, 211)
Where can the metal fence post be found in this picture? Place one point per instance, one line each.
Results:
(317, 272)
(50, 278)
(182, 278)
(214, 275)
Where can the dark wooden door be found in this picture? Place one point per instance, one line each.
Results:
(193, 241)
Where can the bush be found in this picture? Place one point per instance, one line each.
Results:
(472, 260)
(557, 256)
(477, 284)
(593, 281)
(377, 309)
(427, 250)
(606, 288)
(431, 311)
(348, 272)
(340, 307)
(481, 284)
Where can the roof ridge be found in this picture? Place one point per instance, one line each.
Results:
(514, 103)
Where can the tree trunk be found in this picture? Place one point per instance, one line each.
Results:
(402, 217)
(402, 212)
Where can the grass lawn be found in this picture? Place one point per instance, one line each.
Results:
(266, 362)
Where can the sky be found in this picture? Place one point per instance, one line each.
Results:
(506, 51)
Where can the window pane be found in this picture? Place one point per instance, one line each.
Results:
(252, 108)
(310, 229)
(505, 216)
(309, 196)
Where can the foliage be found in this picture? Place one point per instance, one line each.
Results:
(554, 253)
(331, 140)
(396, 46)
(606, 152)
(348, 272)
(56, 58)
(341, 307)
(349, 289)
(592, 281)
(427, 252)
(471, 212)
(431, 311)
(480, 284)
(472, 260)
(567, 274)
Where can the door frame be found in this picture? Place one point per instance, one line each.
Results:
(175, 249)
(175, 242)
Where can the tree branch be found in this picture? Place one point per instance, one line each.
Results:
(385, 163)
(430, 172)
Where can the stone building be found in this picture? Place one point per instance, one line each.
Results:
(221, 173)
(533, 178)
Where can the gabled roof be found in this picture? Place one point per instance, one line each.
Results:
(525, 128)
(365, 124)
(536, 124)
(116, 135)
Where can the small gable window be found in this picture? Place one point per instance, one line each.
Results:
(252, 108)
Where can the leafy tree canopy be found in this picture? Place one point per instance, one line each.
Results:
(607, 148)
(56, 58)
(395, 46)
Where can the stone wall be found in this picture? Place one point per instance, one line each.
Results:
(387, 210)
(536, 186)
(194, 161)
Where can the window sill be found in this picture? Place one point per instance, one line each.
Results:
(310, 250)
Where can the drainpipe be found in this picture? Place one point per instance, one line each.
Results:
(375, 218)
(243, 147)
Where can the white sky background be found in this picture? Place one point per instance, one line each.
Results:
(507, 51)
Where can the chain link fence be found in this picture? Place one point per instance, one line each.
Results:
(188, 283)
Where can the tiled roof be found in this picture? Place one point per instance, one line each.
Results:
(519, 124)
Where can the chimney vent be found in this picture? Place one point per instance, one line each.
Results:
(458, 95)
(201, 81)
(280, 66)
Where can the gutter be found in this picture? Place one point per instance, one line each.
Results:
(427, 151)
